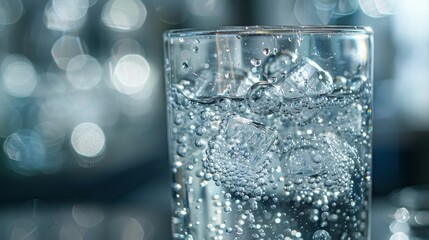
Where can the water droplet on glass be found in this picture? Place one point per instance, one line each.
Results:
(255, 62)
(195, 49)
(356, 83)
(266, 51)
(176, 187)
(185, 65)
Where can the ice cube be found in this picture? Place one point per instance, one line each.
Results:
(249, 139)
(277, 64)
(325, 155)
(208, 85)
(306, 78)
(304, 88)
(343, 119)
(307, 161)
(356, 83)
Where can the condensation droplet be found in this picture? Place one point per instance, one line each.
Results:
(185, 65)
(266, 51)
(255, 62)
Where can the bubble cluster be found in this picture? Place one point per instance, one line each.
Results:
(238, 159)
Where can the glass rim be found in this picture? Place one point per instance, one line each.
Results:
(266, 30)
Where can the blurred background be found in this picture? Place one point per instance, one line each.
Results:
(83, 123)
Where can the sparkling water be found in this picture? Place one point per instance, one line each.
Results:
(281, 156)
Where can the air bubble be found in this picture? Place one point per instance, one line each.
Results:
(199, 142)
(255, 62)
(181, 151)
(263, 98)
(321, 235)
(200, 131)
(266, 51)
(176, 187)
(185, 65)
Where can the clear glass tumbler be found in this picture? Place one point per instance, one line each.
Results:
(270, 132)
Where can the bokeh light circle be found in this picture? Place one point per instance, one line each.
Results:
(10, 11)
(19, 76)
(84, 72)
(124, 15)
(87, 216)
(131, 73)
(126, 228)
(70, 9)
(25, 151)
(56, 22)
(66, 48)
(88, 139)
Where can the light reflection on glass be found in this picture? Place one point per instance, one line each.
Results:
(124, 15)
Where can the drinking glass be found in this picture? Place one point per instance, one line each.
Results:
(270, 132)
